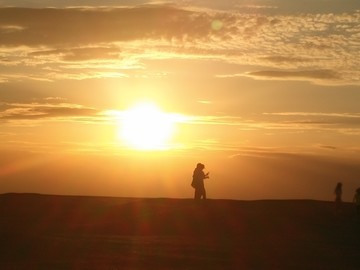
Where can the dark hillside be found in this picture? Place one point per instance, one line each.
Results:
(69, 232)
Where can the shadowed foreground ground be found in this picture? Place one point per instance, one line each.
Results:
(69, 232)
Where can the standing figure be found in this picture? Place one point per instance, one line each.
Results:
(198, 181)
(356, 200)
(338, 194)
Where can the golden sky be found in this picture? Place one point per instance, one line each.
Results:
(264, 92)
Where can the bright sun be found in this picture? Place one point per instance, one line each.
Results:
(146, 127)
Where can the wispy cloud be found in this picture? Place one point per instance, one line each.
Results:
(336, 125)
(330, 147)
(79, 27)
(41, 111)
(321, 76)
(321, 48)
(80, 54)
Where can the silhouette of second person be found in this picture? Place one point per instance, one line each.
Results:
(338, 199)
(198, 182)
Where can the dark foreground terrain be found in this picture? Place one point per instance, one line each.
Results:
(69, 232)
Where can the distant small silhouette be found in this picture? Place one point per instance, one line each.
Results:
(356, 200)
(198, 181)
(338, 199)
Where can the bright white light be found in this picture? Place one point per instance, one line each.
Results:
(146, 127)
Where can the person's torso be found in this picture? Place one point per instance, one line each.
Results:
(198, 177)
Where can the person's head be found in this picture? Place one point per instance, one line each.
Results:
(358, 190)
(339, 185)
(200, 166)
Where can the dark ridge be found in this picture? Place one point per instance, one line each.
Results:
(62, 232)
(144, 216)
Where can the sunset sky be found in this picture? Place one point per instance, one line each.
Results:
(123, 98)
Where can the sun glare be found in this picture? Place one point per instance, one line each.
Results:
(145, 127)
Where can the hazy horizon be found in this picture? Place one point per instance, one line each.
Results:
(123, 98)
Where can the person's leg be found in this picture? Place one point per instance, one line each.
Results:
(197, 195)
(204, 194)
(338, 206)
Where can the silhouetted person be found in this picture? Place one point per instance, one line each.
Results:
(356, 200)
(338, 199)
(198, 182)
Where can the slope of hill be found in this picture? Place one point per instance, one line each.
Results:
(74, 232)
